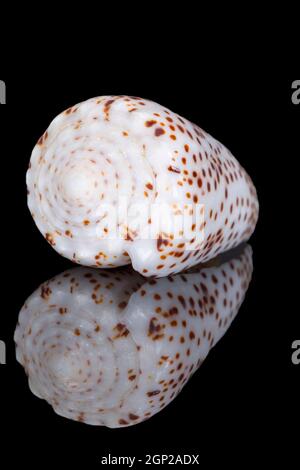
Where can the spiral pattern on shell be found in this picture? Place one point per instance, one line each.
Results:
(112, 349)
(112, 179)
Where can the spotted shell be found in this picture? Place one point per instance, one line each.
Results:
(120, 180)
(112, 348)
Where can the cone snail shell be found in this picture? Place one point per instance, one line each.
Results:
(112, 178)
(111, 348)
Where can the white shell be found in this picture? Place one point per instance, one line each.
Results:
(112, 179)
(112, 349)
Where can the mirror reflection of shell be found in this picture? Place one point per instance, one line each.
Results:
(120, 180)
(110, 348)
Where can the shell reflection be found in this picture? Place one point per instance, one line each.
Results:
(111, 348)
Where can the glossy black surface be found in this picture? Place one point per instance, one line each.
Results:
(244, 396)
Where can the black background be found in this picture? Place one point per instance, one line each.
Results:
(241, 405)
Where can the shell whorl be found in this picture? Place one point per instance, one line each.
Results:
(105, 169)
(112, 349)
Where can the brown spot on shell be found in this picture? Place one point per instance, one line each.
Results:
(174, 169)
(150, 123)
(122, 305)
(107, 107)
(50, 239)
(154, 329)
(154, 392)
(132, 377)
(123, 422)
(159, 131)
(45, 292)
(122, 331)
(161, 241)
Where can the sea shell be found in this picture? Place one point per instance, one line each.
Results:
(118, 180)
(111, 348)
